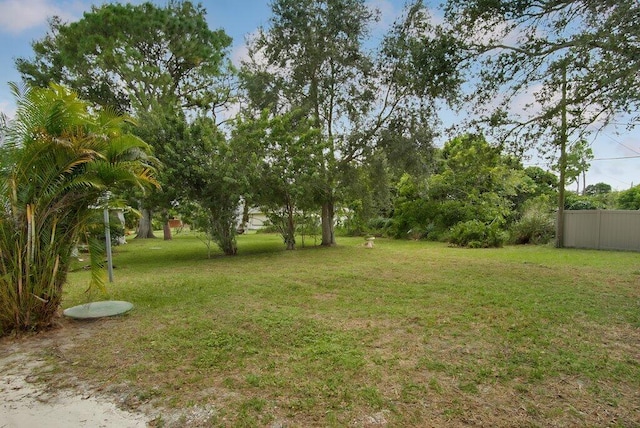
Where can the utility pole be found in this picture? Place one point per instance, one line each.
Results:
(107, 236)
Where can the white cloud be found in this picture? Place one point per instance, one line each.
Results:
(239, 54)
(17, 16)
(8, 109)
(388, 12)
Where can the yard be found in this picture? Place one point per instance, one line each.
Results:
(404, 334)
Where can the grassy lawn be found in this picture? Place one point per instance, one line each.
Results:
(404, 334)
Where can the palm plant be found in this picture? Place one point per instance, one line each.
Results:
(59, 156)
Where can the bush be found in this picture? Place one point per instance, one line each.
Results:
(579, 202)
(97, 229)
(379, 226)
(476, 234)
(536, 226)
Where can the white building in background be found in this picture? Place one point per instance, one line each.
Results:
(257, 219)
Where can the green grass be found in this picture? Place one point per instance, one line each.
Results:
(415, 333)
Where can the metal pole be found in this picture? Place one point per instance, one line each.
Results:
(107, 234)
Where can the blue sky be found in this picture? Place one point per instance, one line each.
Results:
(22, 21)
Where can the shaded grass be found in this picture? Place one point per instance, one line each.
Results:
(406, 334)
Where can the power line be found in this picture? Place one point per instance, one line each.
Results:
(618, 142)
(622, 157)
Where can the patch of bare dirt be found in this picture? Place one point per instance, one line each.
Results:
(35, 392)
(26, 401)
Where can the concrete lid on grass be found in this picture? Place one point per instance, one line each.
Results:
(106, 308)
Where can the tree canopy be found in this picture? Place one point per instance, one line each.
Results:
(130, 56)
(313, 56)
(525, 46)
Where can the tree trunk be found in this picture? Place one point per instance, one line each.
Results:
(245, 216)
(145, 227)
(291, 230)
(563, 164)
(328, 237)
(166, 229)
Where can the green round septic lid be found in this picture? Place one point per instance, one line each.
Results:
(106, 308)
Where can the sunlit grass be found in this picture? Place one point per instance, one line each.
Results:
(411, 333)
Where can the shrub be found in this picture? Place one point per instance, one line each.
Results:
(580, 202)
(476, 234)
(536, 226)
(379, 226)
(96, 228)
(57, 162)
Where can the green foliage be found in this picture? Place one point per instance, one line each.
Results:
(536, 225)
(368, 193)
(476, 234)
(308, 226)
(574, 201)
(216, 181)
(577, 162)
(130, 56)
(286, 165)
(379, 226)
(629, 199)
(411, 209)
(96, 227)
(597, 189)
(59, 159)
(546, 182)
(475, 182)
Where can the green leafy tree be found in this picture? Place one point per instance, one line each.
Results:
(216, 180)
(368, 195)
(131, 57)
(412, 213)
(575, 201)
(167, 127)
(59, 158)
(139, 59)
(288, 169)
(595, 197)
(597, 189)
(476, 182)
(313, 57)
(575, 59)
(578, 161)
(629, 199)
(536, 224)
(545, 182)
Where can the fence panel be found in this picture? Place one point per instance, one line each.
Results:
(602, 229)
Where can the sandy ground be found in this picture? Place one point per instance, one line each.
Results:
(27, 403)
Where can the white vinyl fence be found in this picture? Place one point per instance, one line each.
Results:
(602, 229)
